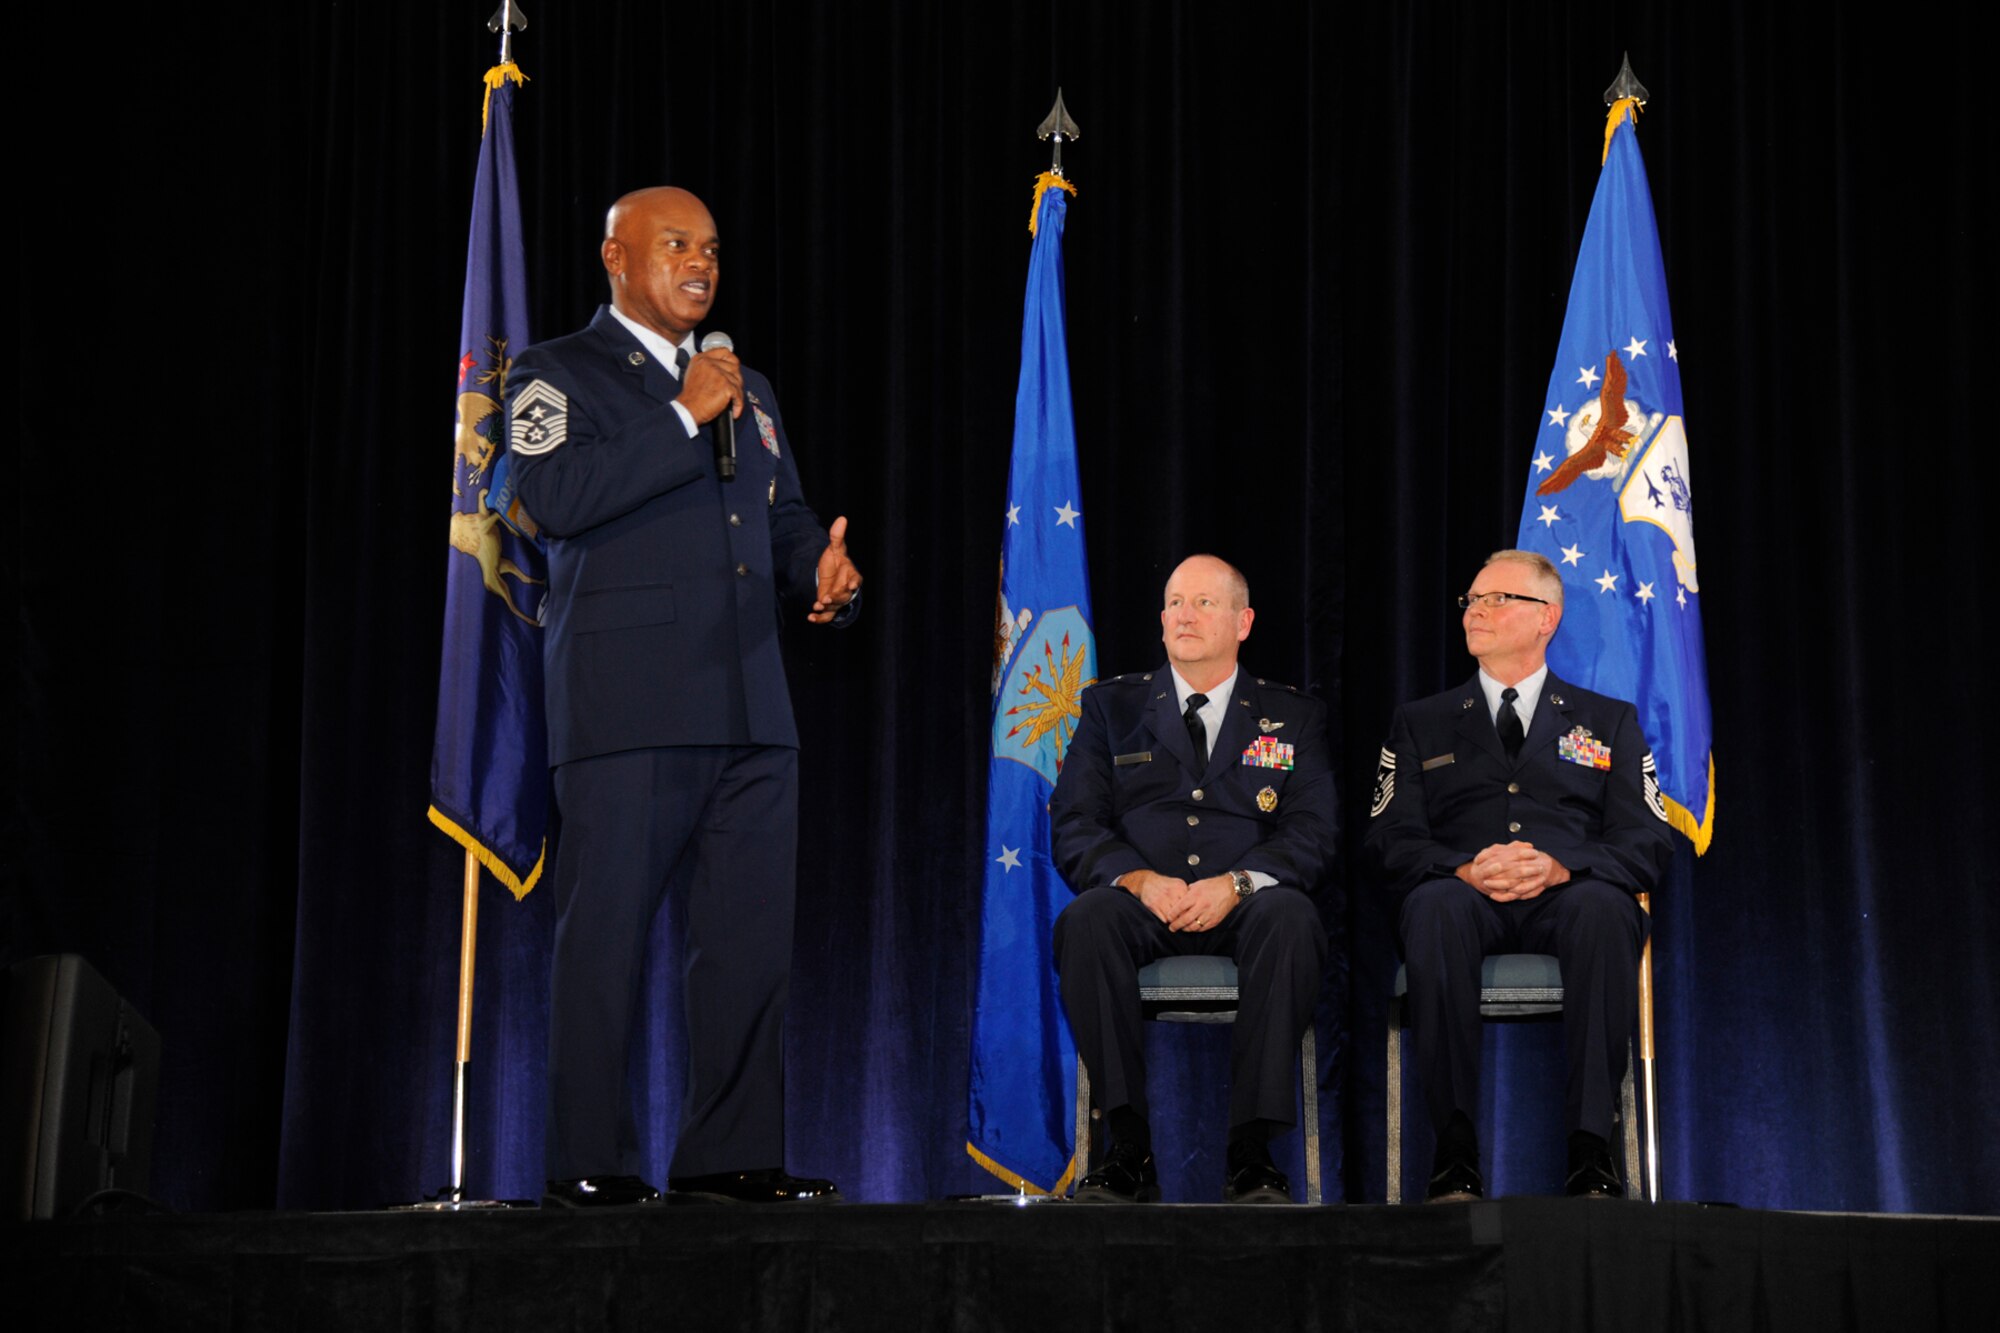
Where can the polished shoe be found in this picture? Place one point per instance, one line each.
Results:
(1592, 1172)
(598, 1192)
(771, 1185)
(1257, 1182)
(1127, 1176)
(1456, 1180)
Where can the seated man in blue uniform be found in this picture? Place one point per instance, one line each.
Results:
(1519, 814)
(670, 725)
(1194, 815)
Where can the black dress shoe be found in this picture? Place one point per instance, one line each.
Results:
(1592, 1173)
(771, 1185)
(598, 1192)
(1127, 1176)
(1457, 1179)
(1257, 1182)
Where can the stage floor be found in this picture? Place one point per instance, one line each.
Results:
(1528, 1264)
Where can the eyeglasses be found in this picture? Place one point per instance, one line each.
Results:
(1493, 601)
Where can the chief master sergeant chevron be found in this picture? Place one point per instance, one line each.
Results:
(670, 725)
(1194, 815)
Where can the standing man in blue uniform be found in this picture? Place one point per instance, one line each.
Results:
(1194, 815)
(1519, 813)
(670, 724)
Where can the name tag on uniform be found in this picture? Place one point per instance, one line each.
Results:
(1136, 757)
(1440, 761)
(1580, 747)
(1267, 752)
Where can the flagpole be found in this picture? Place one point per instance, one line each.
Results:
(1652, 1116)
(468, 943)
(507, 20)
(1627, 88)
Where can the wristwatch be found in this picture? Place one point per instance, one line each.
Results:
(1244, 886)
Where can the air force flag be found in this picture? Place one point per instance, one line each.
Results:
(1610, 496)
(1023, 1082)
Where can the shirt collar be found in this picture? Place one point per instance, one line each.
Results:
(1529, 690)
(662, 350)
(1216, 696)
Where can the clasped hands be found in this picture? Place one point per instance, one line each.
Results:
(1179, 904)
(1513, 872)
(712, 385)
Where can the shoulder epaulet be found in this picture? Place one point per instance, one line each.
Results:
(1128, 678)
(1276, 685)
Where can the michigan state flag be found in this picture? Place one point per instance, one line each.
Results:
(1610, 495)
(489, 762)
(1023, 1087)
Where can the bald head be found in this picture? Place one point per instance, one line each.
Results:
(663, 258)
(635, 205)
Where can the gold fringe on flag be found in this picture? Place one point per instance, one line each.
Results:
(494, 865)
(496, 76)
(1043, 183)
(1698, 830)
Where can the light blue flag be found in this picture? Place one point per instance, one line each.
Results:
(1023, 1086)
(489, 759)
(1610, 498)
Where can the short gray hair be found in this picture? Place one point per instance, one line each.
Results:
(1543, 568)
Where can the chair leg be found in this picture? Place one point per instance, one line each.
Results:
(1395, 1101)
(1628, 1111)
(1082, 1158)
(1309, 1106)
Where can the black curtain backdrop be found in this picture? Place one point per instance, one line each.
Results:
(1317, 267)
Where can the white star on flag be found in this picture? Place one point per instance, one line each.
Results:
(1681, 596)
(1009, 857)
(1587, 376)
(1545, 461)
(1067, 515)
(1572, 554)
(1673, 352)
(1013, 516)
(1635, 348)
(1645, 593)
(1549, 516)
(1558, 415)
(1609, 583)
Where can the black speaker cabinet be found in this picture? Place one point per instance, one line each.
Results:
(79, 1076)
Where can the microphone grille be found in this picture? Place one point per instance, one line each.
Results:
(718, 341)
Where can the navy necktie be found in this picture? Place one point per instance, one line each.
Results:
(1197, 733)
(1511, 734)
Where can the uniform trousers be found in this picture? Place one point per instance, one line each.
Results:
(717, 826)
(1106, 935)
(1595, 930)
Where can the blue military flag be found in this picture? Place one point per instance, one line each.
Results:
(1610, 499)
(1023, 1061)
(489, 762)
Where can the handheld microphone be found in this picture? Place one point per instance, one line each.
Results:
(723, 429)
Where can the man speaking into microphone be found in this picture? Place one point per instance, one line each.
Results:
(666, 488)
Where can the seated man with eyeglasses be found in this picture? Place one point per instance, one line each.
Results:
(1519, 814)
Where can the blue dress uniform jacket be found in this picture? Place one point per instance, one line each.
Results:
(1445, 789)
(1130, 798)
(662, 616)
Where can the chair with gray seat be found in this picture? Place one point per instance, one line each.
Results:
(1511, 986)
(1201, 988)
